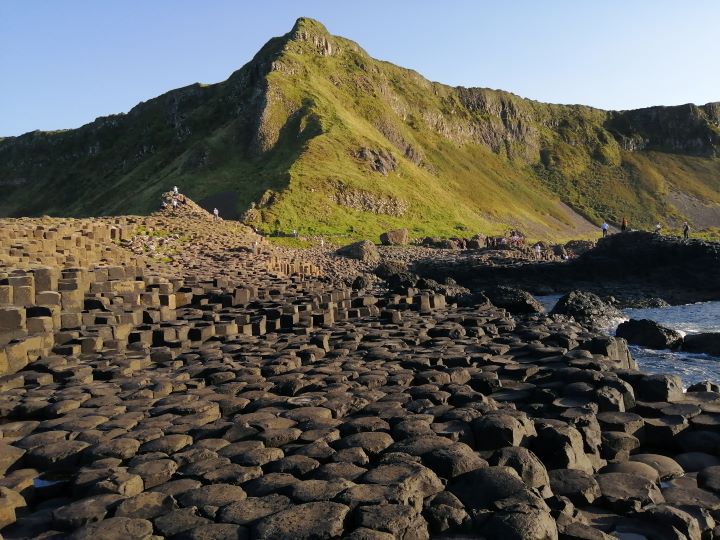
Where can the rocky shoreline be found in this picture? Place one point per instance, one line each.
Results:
(631, 267)
(230, 394)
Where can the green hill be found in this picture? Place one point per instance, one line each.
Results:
(315, 135)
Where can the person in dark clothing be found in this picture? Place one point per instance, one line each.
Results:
(686, 230)
(623, 225)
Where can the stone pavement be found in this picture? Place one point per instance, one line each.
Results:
(212, 396)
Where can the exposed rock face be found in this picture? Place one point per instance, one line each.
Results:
(708, 343)
(676, 129)
(364, 251)
(649, 334)
(587, 308)
(397, 237)
(514, 300)
(365, 201)
(380, 161)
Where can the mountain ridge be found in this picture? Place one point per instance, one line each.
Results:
(313, 134)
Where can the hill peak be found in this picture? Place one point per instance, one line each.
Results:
(306, 24)
(314, 33)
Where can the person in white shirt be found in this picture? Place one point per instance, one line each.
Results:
(604, 228)
(216, 213)
(175, 190)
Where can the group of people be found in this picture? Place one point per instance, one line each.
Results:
(513, 238)
(605, 228)
(176, 200)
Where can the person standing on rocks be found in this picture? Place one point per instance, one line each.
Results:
(686, 230)
(538, 251)
(624, 224)
(174, 205)
(175, 190)
(216, 214)
(657, 228)
(605, 228)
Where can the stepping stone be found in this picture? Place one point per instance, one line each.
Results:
(578, 486)
(147, 505)
(303, 522)
(624, 492)
(115, 528)
(252, 509)
(666, 467)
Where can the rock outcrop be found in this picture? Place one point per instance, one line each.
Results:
(587, 308)
(649, 334)
(708, 343)
(514, 300)
(364, 251)
(397, 237)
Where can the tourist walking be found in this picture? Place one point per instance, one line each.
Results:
(623, 225)
(605, 228)
(538, 251)
(657, 228)
(686, 230)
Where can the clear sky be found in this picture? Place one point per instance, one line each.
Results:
(65, 62)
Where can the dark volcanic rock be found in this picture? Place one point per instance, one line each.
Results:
(397, 237)
(480, 488)
(708, 343)
(304, 521)
(647, 333)
(364, 251)
(514, 300)
(587, 308)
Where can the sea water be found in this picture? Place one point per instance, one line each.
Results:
(686, 319)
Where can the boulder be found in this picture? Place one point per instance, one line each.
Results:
(658, 387)
(388, 268)
(501, 429)
(707, 343)
(613, 348)
(480, 488)
(516, 301)
(364, 251)
(525, 463)
(624, 492)
(578, 486)
(397, 237)
(650, 334)
(588, 309)
(454, 460)
(560, 446)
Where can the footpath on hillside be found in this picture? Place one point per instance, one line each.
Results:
(176, 376)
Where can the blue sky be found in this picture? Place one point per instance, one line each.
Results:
(65, 62)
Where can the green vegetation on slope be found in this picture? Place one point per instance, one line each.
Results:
(315, 135)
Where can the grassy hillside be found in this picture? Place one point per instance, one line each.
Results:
(315, 135)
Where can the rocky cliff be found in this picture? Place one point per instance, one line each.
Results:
(312, 111)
